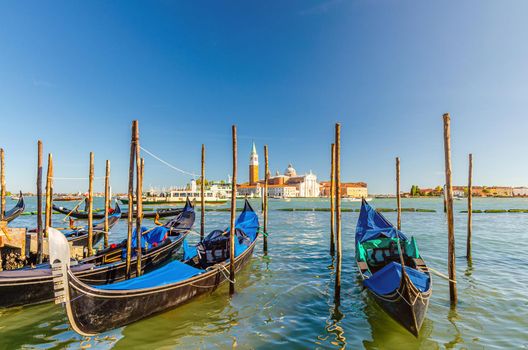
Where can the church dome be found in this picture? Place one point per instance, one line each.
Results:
(290, 171)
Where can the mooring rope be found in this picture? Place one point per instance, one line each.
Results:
(167, 163)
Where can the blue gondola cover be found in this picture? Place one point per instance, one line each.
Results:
(387, 280)
(372, 224)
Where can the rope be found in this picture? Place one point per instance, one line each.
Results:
(167, 163)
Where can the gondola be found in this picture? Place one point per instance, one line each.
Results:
(34, 285)
(381, 250)
(159, 213)
(79, 237)
(95, 309)
(15, 212)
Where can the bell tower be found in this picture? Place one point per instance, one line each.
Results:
(253, 166)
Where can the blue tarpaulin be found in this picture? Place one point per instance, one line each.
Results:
(174, 271)
(148, 240)
(372, 224)
(387, 280)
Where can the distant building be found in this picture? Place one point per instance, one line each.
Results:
(520, 191)
(284, 185)
(348, 189)
(253, 166)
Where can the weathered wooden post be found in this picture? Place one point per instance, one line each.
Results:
(338, 211)
(40, 233)
(470, 207)
(265, 195)
(48, 210)
(398, 195)
(2, 185)
(449, 202)
(233, 213)
(202, 196)
(50, 217)
(445, 199)
(332, 200)
(139, 202)
(90, 205)
(131, 195)
(139, 211)
(106, 203)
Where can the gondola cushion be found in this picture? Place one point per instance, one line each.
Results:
(387, 280)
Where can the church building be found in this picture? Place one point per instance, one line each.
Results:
(285, 185)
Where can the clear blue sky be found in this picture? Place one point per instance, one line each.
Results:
(75, 74)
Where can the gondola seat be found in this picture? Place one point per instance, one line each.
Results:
(150, 239)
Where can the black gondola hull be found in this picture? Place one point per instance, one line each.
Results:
(407, 311)
(93, 311)
(161, 213)
(33, 290)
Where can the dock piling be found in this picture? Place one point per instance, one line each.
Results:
(48, 212)
(265, 195)
(449, 204)
(338, 211)
(470, 208)
(139, 202)
(40, 233)
(233, 213)
(332, 199)
(106, 202)
(90, 205)
(398, 194)
(202, 196)
(131, 196)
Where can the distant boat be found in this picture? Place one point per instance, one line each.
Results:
(180, 196)
(355, 199)
(67, 198)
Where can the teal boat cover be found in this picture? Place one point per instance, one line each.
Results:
(372, 224)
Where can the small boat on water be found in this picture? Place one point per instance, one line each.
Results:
(354, 199)
(15, 212)
(79, 236)
(35, 285)
(94, 309)
(158, 213)
(381, 252)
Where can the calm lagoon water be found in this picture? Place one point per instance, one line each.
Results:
(285, 299)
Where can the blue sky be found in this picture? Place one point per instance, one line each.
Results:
(75, 74)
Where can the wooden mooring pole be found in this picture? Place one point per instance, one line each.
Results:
(40, 233)
(48, 210)
(398, 194)
(202, 196)
(2, 185)
(106, 203)
(338, 212)
(449, 203)
(131, 196)
(233, 213)
(332, 200)
(470, 208)
(139, 202)
(90, 205)
(265, 194)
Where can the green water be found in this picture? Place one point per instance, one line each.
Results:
(285, 300)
